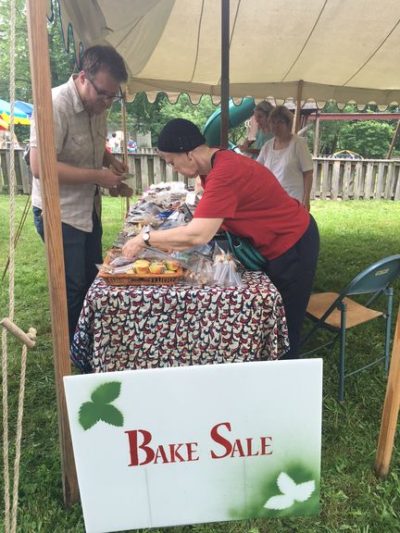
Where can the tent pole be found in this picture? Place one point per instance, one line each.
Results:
(297, 117)
(40, 71)
(394, 139)
(316, 136)
(224, 73)
(390, 409)
(125, 144)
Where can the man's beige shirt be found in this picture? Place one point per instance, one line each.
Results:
(80, 142)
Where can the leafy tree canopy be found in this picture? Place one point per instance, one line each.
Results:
(370, 139)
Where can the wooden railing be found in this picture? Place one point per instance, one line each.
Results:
(145, 165)
(366, 179)
(22, 172)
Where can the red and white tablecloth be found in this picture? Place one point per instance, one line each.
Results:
(160, 326)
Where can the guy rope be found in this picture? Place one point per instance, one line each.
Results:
(28, 340)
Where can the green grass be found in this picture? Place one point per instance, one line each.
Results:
(353, 234)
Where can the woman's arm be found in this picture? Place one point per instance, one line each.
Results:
(262, 156)
(308, 179)
(199, 231)
(305, 163)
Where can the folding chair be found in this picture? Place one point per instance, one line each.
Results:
(337, 313)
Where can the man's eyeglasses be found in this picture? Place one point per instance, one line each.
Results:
(105, 95)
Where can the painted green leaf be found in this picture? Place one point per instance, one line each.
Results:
(111, 415)
(88, 415)
(107, 392)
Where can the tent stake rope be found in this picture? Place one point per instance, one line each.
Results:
(10, 519)
(18, 232)
(10, 526)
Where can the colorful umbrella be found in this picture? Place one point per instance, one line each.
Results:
(25, 107)
(20, 117)
(3, 125)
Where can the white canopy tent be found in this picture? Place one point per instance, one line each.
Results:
(305, 49)
(344, 50)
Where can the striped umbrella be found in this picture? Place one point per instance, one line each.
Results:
(3, 125)
(20, 117)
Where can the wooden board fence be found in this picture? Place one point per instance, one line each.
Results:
(22, 172)
(366, 179)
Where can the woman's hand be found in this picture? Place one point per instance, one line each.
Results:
(306, 203)
(133, 247)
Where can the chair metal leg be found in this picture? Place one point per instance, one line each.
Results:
(389, 293)
(342, 352)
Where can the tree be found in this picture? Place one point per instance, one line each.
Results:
(61, 62)
(371, 138)
(144, 116)
(199, 114)
(23, 90)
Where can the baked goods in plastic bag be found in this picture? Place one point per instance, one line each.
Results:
(199, 270)
(151, 261)
(225, 271)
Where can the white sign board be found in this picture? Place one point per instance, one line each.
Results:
(194, 444)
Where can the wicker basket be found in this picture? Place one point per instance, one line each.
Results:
(144, 279)
(139, 279)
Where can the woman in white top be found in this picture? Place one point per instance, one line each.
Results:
(287, 156)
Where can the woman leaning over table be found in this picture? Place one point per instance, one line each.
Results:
(287, 156)
(246, 199)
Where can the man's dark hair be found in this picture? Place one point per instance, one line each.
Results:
(106, 58)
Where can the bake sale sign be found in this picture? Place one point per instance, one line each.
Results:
(185, 445)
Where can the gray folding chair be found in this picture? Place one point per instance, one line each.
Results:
(336, 312)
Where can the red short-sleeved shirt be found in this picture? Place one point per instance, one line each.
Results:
(252, 203)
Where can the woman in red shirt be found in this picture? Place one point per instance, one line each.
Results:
(245, 198)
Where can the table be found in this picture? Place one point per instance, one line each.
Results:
(161, 326)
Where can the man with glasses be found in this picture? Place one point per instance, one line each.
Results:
(83, 165)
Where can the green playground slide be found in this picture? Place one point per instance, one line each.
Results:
(237, 115)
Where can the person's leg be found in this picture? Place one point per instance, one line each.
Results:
(293, 274)
(93, 251)
(74, 243)
(38, 221)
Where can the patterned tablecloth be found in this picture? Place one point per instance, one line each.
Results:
(143, 327)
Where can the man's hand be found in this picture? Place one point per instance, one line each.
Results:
(119, 167)
(124, 190)
(109, 160)
(121, 190)
(108, 178)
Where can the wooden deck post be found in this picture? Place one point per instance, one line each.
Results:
(390, 409)
(297, 114)
(125, 143)
(40, 71)
(393, 141)
(316, 136)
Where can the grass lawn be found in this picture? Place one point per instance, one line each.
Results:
(353, 235)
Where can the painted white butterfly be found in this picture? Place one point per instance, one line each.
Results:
(291, 492)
